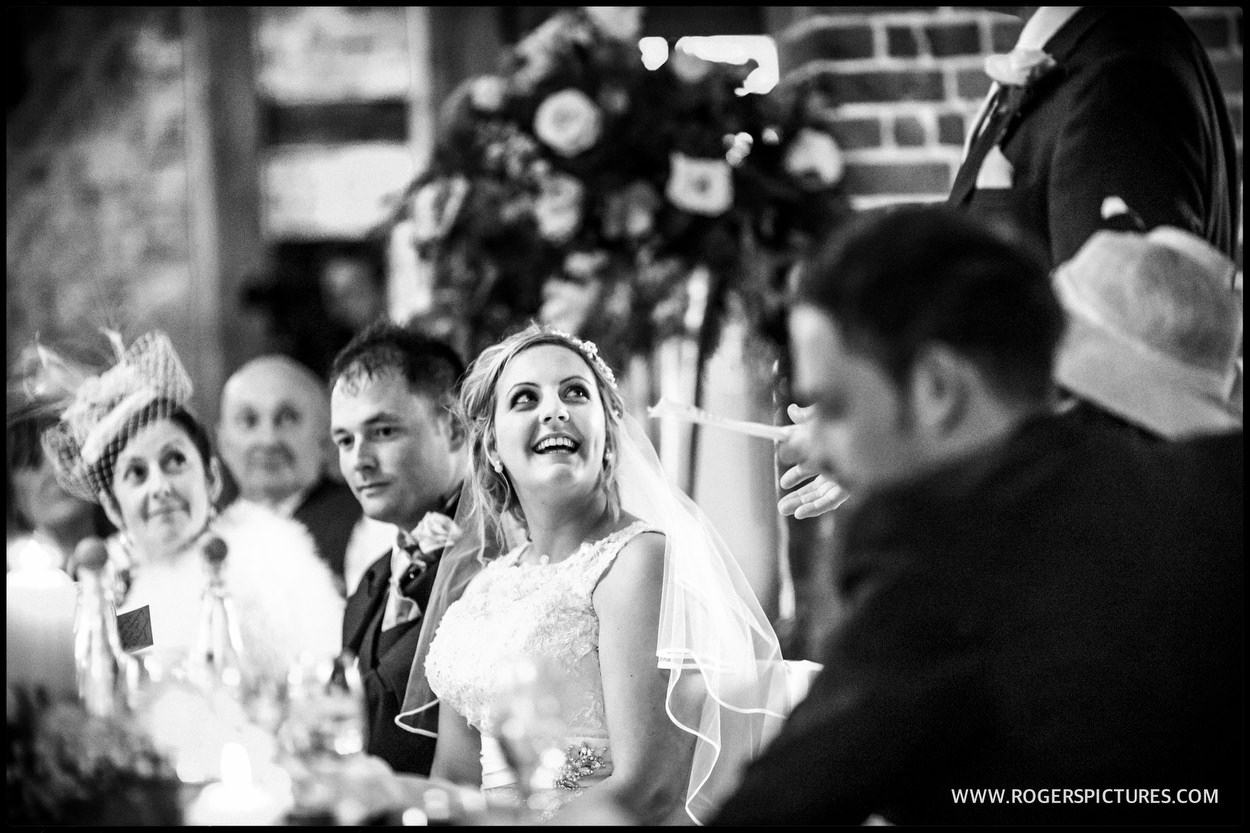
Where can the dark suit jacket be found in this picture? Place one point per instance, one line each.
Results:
(1134, 110)
(1066, 612)
(330, 513)
(385, 661)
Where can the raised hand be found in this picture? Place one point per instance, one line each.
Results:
(814, 493)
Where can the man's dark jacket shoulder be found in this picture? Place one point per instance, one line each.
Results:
(1064, 612)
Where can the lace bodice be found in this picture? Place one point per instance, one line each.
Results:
(539, 610)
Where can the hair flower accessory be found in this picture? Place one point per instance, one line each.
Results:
(591, 352)
(572, 145)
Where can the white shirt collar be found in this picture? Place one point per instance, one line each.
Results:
(1044, 25)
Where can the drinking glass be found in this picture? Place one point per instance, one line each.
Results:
(532, 727)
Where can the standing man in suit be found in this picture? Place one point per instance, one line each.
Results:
(273, 433)
(1100, 103)
(401, 449)
(1033, 605)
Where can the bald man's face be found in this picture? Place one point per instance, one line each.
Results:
(274, 430)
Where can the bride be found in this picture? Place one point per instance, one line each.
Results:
(672, 676)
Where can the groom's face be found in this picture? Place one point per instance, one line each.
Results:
(397, 448)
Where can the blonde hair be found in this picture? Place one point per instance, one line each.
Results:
(490, 493)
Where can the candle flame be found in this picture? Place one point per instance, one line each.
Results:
(36, 565)
(236, 766)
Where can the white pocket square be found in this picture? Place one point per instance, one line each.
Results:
(995, 172)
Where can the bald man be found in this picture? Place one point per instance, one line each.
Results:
(274, 436)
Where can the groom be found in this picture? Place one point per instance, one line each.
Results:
(402, 452)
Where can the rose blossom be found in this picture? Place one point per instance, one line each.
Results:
(614, 99)
(700, 186)
(585, 266)
(487, 93)
(558, 209)
(567, 304)
(619, 22)
(568, 122)
(814, 158)
(630, 212)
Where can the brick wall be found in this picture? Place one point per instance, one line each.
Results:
(905, 82)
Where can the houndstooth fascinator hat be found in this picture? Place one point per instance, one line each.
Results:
(147, 385)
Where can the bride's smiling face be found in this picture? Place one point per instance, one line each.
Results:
(550, 425)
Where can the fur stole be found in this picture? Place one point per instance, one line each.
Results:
(285, 598)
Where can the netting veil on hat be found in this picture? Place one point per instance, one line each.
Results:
(147, 384)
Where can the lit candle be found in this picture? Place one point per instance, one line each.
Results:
(39, 629)
(235, 799)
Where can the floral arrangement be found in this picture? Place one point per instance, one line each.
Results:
(621, 204)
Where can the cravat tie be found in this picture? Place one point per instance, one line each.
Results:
(986, 137)
(401, 607)
(409, 592)
(1013, 74)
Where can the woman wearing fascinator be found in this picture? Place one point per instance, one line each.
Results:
(667, 677)
(128, 442)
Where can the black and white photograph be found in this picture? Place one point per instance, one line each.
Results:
(624, 416)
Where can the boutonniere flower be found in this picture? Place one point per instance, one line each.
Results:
(700, 186)
(568, 122)
(436, 532)
(1019, 67)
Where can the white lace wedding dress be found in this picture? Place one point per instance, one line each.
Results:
(541, 611)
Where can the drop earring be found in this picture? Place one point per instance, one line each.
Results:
(497, 466)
